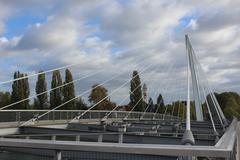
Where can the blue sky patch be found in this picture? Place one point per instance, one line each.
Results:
(18, 25)
(184, 21)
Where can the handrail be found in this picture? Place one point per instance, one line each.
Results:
(229, 137)
(225, 148)
(146, 149)
(71, 111)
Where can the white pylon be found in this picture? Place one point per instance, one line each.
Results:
(196, 94)
(188, 138)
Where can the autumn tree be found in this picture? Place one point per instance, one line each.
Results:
(99, 97)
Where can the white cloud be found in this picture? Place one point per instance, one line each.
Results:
(58, 32)
(193, 24)
(141, 32)
(6, 43)
(141, 23)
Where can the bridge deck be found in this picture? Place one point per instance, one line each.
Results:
(95, 138)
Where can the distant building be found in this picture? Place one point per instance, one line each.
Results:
(144, 90)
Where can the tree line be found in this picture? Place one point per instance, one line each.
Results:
(64, 92)
(60, 92)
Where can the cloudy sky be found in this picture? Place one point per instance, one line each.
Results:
(115, 37)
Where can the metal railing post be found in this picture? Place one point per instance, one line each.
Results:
(18, 117)
(78, 138)
(53, 115)
(48, 117)
(54, 138)
(58, 155)
(120, 138)
(100, 138)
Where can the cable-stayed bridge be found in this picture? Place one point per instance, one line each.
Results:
(119, 135)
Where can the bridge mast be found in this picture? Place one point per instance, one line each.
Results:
(188, 138)
(196, 94)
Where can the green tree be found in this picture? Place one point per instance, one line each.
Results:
(193, 111)
(181, 108)
(5, 99)
(20, 91)
(136, 97)
(69, 91)
(150, 105)
(99, 96)
(230, 104)
(41, 86)
(26, 91)
(56, 96)
(233, 109)
(168, 109)
(80, 104)
(175, 108)
(160, 104)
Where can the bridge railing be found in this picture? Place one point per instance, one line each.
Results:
(225, 149)
(20, 116)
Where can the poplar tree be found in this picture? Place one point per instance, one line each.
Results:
(150, 105)
(41, 86)
(69, 91)
(26, 91)
(15, 90)
(136, 97)
(20, 91)
(56, 95)
(160, 104)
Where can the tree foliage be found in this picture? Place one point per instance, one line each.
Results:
(228, 101)
(69, 91)
(80, 104)
(56, 96)
(178, 109)
(230, 104)
(136, 96)
(160, 107)
(5, 99)
(151, 106)
(99, 97)
(20, 91)
(41, 86)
